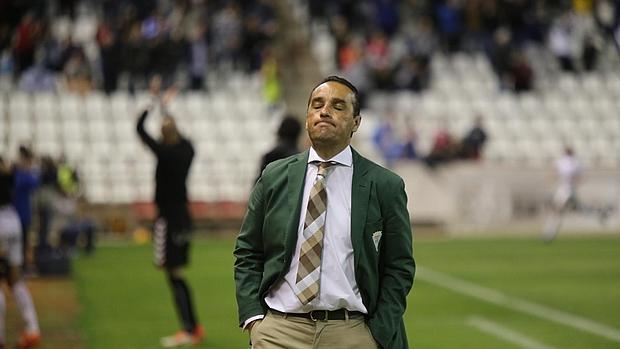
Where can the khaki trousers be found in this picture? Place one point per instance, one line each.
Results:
(285, 332)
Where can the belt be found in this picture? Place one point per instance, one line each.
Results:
(322, 315)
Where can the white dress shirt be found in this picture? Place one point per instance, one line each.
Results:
(338, 288)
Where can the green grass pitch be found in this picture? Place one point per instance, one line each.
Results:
(562, 295)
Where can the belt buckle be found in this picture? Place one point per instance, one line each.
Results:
(319, 312)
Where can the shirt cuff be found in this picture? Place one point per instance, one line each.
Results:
(253, 318)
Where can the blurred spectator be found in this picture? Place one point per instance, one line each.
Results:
(378, 59)
(607, 16)
(355, 69)
(521, 73)
(227, 31)
(136, 58)
(410, 149)
(47, 198)
(25, 41)
(68, 179)
(561, 41)
(501, 53)
(286, 145)
(254, 41)
(271, 81)
(444, 147)
(386, 140)
(78, 229)
(110, 53)
(590, 53)
(198, 58)
(67, 7)
(392, 144)
(386, 16)
(26, 179)
(474, 140)
(77, 73)
(412, 75)
(77, 233)
(423, 41)
(449, 14)
(68, 48)
(350, 53)
(37, 78)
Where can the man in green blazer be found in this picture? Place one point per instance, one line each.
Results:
(324, 255)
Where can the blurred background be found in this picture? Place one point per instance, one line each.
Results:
(472, 102)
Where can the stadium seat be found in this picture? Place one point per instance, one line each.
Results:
(46, 130)
(19, 106)
(45, 106)
(20, 130)
(49, 147)
(71, 107)
(95, 105)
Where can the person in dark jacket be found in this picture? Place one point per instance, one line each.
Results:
(288, 134)
(173, 226)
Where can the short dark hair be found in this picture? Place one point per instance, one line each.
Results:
(25, 152)
(347, 83)
(289, 129)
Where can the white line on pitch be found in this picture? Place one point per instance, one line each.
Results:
(495, 297)
(505, 334)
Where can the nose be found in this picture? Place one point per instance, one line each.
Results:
(326, 111)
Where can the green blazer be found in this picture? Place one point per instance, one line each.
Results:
(384, 273)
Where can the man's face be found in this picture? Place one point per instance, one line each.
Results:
(330, 120)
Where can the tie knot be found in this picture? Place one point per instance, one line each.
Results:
(324, 166)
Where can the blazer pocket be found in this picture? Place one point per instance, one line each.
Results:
(374, 231)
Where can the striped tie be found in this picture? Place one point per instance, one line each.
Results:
(309, 270)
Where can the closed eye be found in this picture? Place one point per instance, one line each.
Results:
(317, 104)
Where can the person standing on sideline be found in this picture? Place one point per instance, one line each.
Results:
(172, 230)
(26, 180)
(324, 256)
(11, 260)
(568, 171)
(288, 134)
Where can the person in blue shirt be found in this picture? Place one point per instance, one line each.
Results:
(26, 180)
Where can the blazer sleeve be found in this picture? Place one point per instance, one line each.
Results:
(249, 255)
(396, 265)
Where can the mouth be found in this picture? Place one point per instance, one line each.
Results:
(324, 122)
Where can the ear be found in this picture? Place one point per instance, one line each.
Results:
(357, 120)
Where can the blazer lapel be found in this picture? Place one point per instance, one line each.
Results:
(295, 188)
(360, 193)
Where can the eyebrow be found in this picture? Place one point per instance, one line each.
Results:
(322, 99)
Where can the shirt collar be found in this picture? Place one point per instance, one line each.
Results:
(344, 158)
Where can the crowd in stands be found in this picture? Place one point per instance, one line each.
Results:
(181, 40)
(396, 145)
(389, 44)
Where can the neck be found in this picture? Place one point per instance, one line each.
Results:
(173, 139)
(328, 152)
